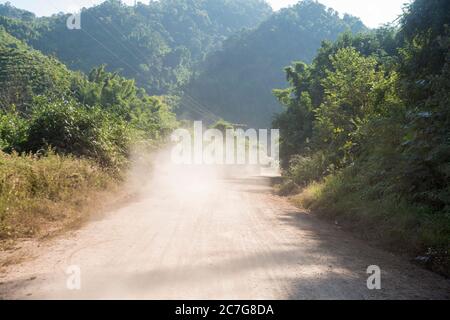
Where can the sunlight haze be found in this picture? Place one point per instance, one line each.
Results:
(372, 12)
(224, 150)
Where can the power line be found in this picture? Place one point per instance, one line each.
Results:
(107, 49)
(112, 36)
(192, 107)
(191, 103)
(195, 102)
(201, 107)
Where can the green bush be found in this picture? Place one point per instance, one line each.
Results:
(70, 128)
(286, 188)
(306, 169)
(13, 131)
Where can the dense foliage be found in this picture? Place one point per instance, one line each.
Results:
(236, 82)
(65, 137)
(7, 10)
(371, 116)
(44, 105)
(157, 44)
(163, 45)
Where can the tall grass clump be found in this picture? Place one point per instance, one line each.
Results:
(390, 220)
(51, 191)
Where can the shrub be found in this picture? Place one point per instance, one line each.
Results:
(286, 188)
(306, 169)
(13, 131)
(71, 128)
(390, 219)
(36, 191)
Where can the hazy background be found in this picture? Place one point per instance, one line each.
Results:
(372, 12)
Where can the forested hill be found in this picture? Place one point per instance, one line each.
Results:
(66, 137)
(7, 10)
(226, 55)
(236, 83)
(45, 105)
(157, 44)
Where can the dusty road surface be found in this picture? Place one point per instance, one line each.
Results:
(195, 235)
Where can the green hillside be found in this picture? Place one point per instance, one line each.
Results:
(157, 44)
(236, 82)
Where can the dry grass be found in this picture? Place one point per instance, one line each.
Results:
(391, 222)
(42, 195)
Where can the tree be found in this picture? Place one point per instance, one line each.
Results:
(347, 103)
(236, 83)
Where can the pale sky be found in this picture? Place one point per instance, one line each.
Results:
(372, 12)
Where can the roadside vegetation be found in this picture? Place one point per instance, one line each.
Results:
(66, 138)
(42, 194)
(366, 133)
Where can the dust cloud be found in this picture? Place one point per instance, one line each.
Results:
(209, 232)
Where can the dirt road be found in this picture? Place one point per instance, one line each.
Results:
(193, 235)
